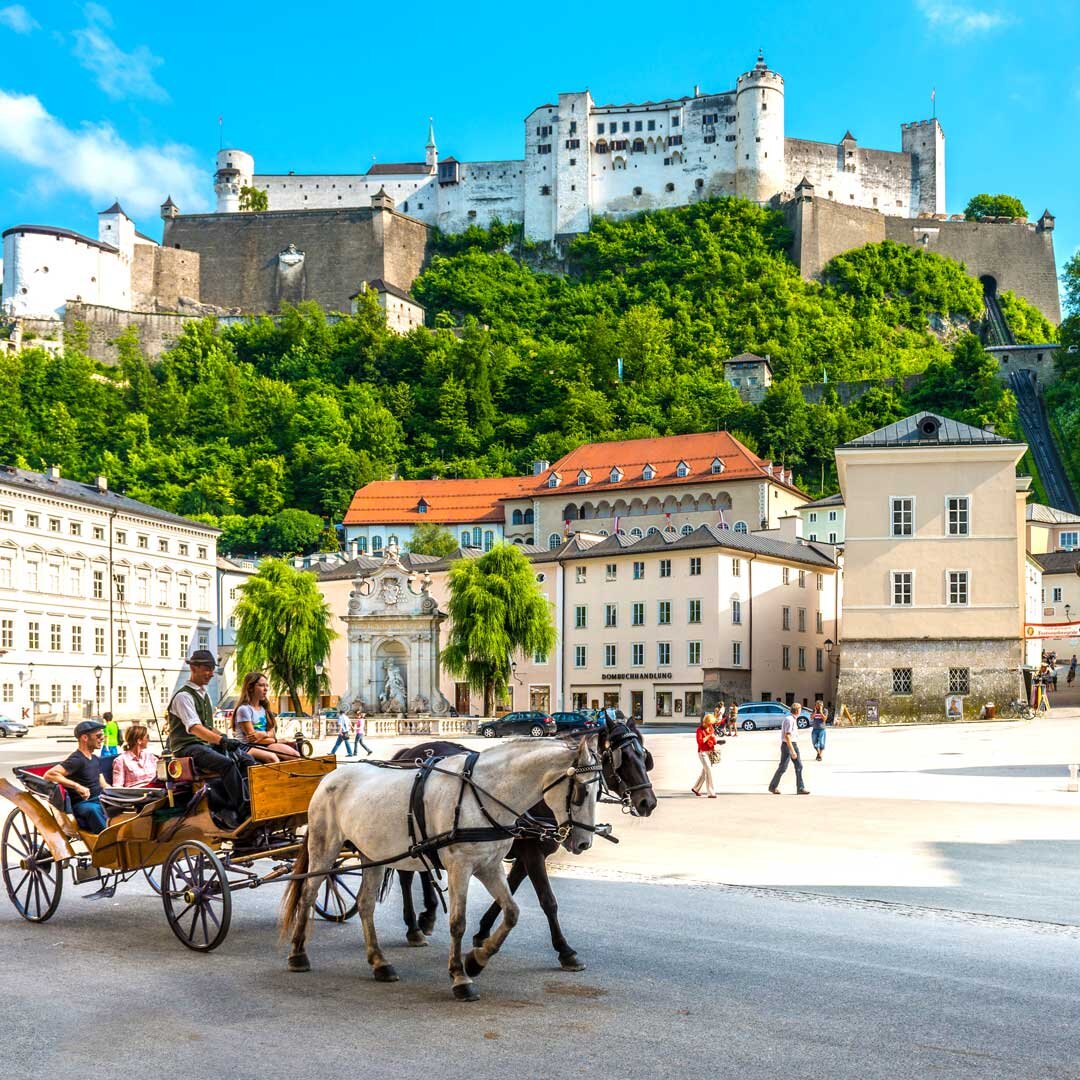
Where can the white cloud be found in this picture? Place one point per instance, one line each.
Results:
(96, 161)
(961, 18)
(16, 17)
(118, 73)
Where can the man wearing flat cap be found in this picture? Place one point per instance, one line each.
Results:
(80, 773)
(192, 734)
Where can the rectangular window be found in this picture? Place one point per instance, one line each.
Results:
(56, 637)
(33, 635)
(959, 680)
(802, 620)
(958, 587)
(639, 571)
(163, 642)
(56, 693)
(787, 575)
(902, 515)
(202, 550)
(75, 581)
(121, 641)
(637, 654)
(120, 582)
(693, 653)
(665, 568)
(32, 521)
(9, 692)
(579, 575)
(121, 695)
(609, 655)
(819, 660)
(54, 578)
(144, 642)
(736, 611)
(611, 615)
(99, 640)
(579, 656)
(736, 567)
(637, 614)
(183, 600)
(1056, 594)
(183, 548)
(144, 696)
(958, 515)
(7, 633)
(142, 590)
(35, 693)
(163, 592)
(185, 640)
(695, 566)
(32, 576)
(663, 703)
(820, 622)
(1068, 541)
(98, 532)
(785, 657)
(801, 658)
(663, 612)
(121, 536)
(901, 680)
(99, 584)
(580, 617)
(736, 654)
(204, 596)
(694, 612)
(5, 573)
(802, 579)
(611, 572)
(785, 618)
(820, 582)
(663, 653)
(5, 516)
(76, 639)
(143, 541)
(538, 657)
(163, 544)
(54, 525)
(902, 591)
(813, 516)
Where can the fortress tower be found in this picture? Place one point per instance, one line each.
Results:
(925, 142)
(759, 135)
(235, 170)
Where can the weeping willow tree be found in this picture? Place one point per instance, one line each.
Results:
(283, 629)
(496, 610)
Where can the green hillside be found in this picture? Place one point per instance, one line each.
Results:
(259, 419)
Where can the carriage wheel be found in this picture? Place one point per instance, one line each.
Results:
(34, 879)
(336, 900)
(195, 892)
(152, 879)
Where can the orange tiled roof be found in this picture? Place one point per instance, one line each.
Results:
(448, 501)
(664, 454)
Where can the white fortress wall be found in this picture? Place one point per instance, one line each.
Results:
(485, 191)
(328, 192)
(876, 179)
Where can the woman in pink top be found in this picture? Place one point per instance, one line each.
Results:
(136, 766)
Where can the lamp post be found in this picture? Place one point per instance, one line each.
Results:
(1067, 609)
(97, 691)
(319, 669)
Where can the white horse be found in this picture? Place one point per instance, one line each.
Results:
(369, 806)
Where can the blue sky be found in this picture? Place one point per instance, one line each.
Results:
(122, 99)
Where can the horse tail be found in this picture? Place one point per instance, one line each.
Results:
(291, 901)
(387, 884)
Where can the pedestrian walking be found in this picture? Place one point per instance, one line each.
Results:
(359, 730)
(817, 735)
(1070, 678)
(707, 754)
(111, 733)
(1054, 674)
(344, 730)
(789, 752)
(733, 718)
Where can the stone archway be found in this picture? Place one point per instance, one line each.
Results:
(392, 670)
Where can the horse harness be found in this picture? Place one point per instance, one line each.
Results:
(619, 737)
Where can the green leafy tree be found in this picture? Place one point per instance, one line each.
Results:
(1070, 279)
(291, 532)
(496, 610)
(283, 628)
(432, 539)
(253, 199)
(984, 206)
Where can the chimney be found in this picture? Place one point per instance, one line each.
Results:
(540, 467)
(54, 472)
(102, 483)
(790, 528)
(354, 549)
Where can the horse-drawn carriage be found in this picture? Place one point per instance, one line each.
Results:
(167, 833)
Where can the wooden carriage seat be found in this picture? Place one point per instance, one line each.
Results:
(130, 799)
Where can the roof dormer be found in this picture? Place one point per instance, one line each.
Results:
(422, 505)
(583, 477)
(554, 480)
(682, 469)
(648, 473)
(717, 466)
(615, 475)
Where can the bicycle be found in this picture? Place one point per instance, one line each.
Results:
(1017, 710)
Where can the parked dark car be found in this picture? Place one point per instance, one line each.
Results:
(536, 724)
(759, 715)
(571, 721)
(12, 727)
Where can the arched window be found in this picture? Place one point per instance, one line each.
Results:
(477, 536)
(361, 544)
(489, 540)
(376, 545)
(554, 540)
(602, 532)
(638, 147)
(687, 530)
(740, 527)
(516, 518)
(464, 537)
(528, 517)
(653, 530)
(635, 533)
(392, 539)
(618, 164)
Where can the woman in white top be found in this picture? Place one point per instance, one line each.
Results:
(254, 722)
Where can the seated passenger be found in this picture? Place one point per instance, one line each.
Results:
(135, 766)
(254, 722)
(192, 734)
(80, 774)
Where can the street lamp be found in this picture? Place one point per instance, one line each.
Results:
(1067, 619)
(97, 692)
(319, 669)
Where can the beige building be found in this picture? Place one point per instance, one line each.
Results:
(1050, 529)
(1060, 594)
(661, 626)
(934, 569)
(749, 374)
(823, 519)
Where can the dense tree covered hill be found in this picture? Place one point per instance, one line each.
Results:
(257, 425)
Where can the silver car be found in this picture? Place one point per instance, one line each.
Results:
(762, 715)
(12, 727)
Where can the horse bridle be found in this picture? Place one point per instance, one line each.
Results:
(577, 791)
(618, 738)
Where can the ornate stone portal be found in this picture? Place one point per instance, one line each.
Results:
(393, 634)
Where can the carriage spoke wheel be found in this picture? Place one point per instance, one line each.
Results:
(336, 900)
(34, 879)
(152, 879)
(195, 892)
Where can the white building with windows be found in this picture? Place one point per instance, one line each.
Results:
(823, 519)
(71, 644)
(232, 576)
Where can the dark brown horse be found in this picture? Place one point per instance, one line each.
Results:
(626, 765)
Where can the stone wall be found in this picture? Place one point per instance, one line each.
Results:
(1038, 359)
(866, 673)
(721, 685)
(160, 276)
(241, 263)
(824, 229)
(157, 330)
(851, 391)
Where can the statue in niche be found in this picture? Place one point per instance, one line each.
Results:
(393, 696)
(290, 256)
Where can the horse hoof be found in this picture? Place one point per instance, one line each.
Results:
(416, 938)
(299, 962)
(427, 924)
(466, 992)
(386, 973)
(570, 962)
(473, 967)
